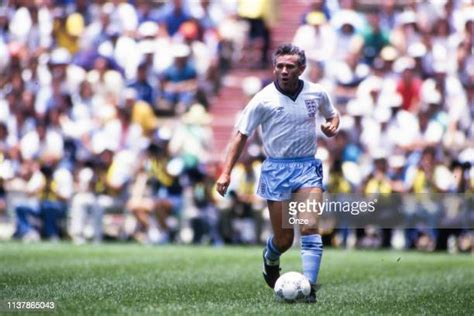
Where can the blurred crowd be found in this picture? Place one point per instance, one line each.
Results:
(105, 131)
(104, 112)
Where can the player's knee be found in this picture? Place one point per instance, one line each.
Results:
(308, 230)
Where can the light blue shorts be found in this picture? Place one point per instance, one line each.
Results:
(280, 177)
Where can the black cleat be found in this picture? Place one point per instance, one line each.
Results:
(270, 273)
(311, 298)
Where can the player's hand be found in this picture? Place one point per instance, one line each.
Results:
(329, 129)
(223, 183)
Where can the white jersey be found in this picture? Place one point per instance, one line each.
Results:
(288, 122)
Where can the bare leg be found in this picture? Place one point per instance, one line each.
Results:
(312, 219)
(283, 237)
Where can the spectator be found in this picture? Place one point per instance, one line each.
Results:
(179, 81)
(205, 222)
(67, 29)
(156, 193)
(123, 15)
(378, 181)
(54, 192)
(86, 210)
(453, 97)
(316, 6)
(205, 60)
(122, 134)
(407, 32)
(409, 85)
(146, 12)
(260, 15)
(373, 39)
(143, 89)
(172, 15)
(346, 23)
(44, 140)
(388, 15)
(397, 173)
(106, 82)
(247, 206)
(348, 75)
(27, 212)
(316, 38)
(193, 140)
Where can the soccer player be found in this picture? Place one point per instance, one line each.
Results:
(286, 110)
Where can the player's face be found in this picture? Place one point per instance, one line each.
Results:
(287, 71)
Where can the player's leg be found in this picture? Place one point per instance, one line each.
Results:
(311, 242)
(274, 187)
(282, 238)
(277, 244)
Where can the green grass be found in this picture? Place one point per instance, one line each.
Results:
(133, 279)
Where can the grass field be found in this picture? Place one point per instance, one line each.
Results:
(134, 279)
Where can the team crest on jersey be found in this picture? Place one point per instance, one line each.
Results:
(311, 105)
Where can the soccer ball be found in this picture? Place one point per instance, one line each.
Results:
(292, 287)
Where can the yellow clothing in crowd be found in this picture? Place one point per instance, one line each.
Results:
(256, 9)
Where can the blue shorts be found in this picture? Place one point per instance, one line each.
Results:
(280, 177)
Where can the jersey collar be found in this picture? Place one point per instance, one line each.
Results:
(293, 96)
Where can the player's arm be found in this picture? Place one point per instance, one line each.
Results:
(235, 150)
(329, 128)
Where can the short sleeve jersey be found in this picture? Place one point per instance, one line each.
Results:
(288, 122)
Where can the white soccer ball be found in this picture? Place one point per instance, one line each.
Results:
(292, 287)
